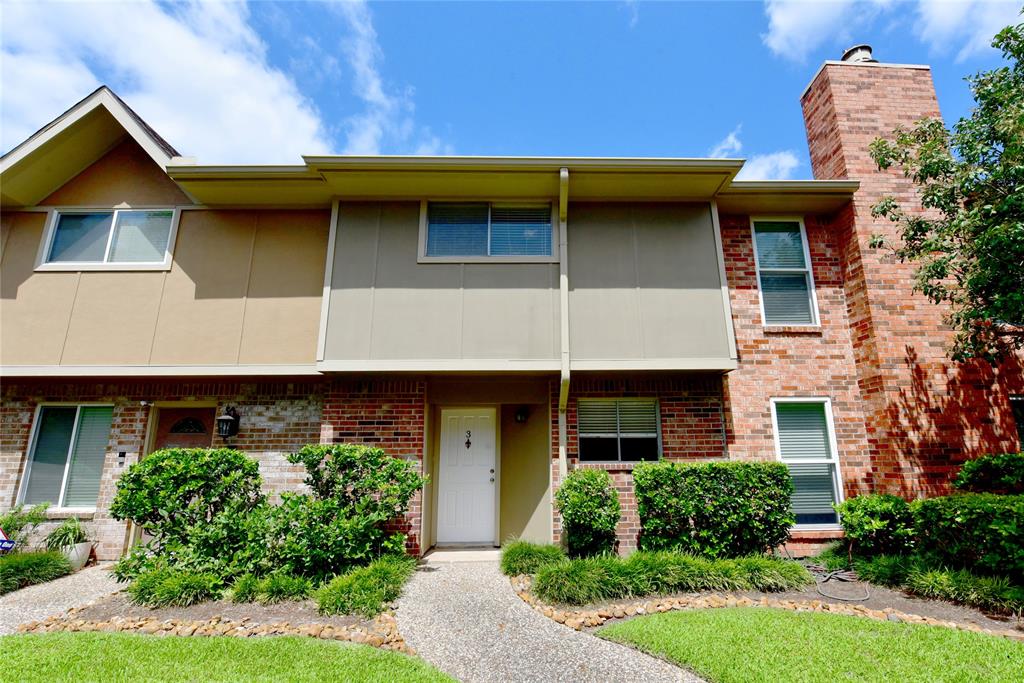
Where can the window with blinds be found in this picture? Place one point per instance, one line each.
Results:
(805, 445)
(67, 456)
(481, 230)
(784, 274)
(115, 237)
(623, 430)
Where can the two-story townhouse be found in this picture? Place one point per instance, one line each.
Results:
(499, 321)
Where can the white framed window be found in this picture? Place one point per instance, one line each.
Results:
(805, 441)
(478, 232)
(109, 239)
(618, 430)
(784, 278)
(66, 455)
(1017, 407)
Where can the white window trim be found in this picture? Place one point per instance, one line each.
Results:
(617, 435)
(837, 475)
(31, 452)
(53, 216)
(816, 323)
(422, 255)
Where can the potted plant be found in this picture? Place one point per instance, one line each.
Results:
(70, 538)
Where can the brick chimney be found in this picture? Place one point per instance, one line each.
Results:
(925, 414)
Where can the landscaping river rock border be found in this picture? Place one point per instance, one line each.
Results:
(580, 619)
(381, 631)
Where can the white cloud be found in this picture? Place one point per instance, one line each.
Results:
(774, 166)
(387, 120)
(197, 72)
(632, 7)
(797, 27)
(729, 146)
(967, 24)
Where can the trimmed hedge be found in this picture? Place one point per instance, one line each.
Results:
(523, 557)
(19, 569)
(997, 473)
(366, 590)
(982, 532)
(720, 509)
(589, 505)
(877, 524)
(609, 577)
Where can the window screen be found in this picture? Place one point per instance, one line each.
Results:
(67, 456)
(111, 237)
(805, 446)
(482, 230)
(784, 274)
(617, 430)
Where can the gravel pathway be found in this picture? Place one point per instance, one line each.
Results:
(40, 601)
(464, 618)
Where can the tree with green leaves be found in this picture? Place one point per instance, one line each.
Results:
(968, 244)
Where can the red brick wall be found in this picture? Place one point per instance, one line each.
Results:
(692, 429)
(389, 413)
(277, 417)
(924, 414)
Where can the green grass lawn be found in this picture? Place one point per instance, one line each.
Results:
(112, 657)
(743, 644)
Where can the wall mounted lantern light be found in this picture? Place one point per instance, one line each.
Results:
(227, 423)
(522, 414)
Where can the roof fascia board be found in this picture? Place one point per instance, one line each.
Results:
(839, 62)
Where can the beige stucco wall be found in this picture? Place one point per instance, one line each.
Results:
(524, 494)
(385, 305)
(644, 282)
(244, 288)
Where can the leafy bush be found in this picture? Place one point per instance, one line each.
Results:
(589, 506)
(877, 524)
(721, 509)
(998, 473)
(982, 532)
(366, 590)
(588, 580)
(357, 489)
(68, 533)
(20, 569)
(170, 587)
(19, 523)
(523, 557)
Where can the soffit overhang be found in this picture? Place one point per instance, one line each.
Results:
(786, 196)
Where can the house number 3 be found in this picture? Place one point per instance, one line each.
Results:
(469, 435)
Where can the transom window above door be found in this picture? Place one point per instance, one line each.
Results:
(119, 239)
(618, 430)
(484, 231)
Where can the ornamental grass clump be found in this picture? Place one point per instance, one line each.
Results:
(524, 557)
(366, 590)
(168, 587)
(20, 569)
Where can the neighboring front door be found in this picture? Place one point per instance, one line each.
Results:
(466, 481)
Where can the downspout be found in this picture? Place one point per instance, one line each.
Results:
(563, 311)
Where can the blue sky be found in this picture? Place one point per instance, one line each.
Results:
(266, 82)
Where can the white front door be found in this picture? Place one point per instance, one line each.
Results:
(466, 479)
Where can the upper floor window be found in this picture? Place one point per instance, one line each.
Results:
(65, 464)
(784, 273)
(487, 231)
(805, 441)
(611, 430)
(116, 239)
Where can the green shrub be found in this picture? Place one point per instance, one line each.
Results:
(886, 570)
(721, 509)
(366, 590)
(992, 594)
(19, 523)
(245, 589)
(589, 505)
(833, 557)
(982, 532)
(523, 557)
(20, 569)
(997, 473)
(877, 524)
(167, 587)
(356, 490)
(278, 587)
(608, 577)
(68, 533)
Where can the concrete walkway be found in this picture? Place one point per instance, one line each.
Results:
(55, 597)
(461, 615)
